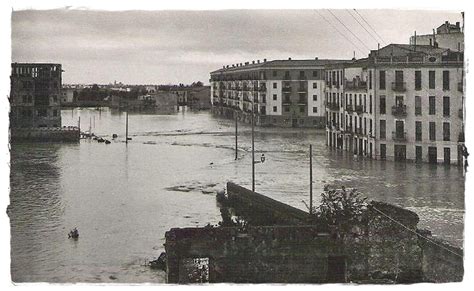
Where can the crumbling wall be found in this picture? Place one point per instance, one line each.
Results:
(441, 261)
(277, 254)
(393, 250)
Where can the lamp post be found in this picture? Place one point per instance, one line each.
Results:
(310, 179)
(262, 157)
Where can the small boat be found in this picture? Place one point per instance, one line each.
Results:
(100, 139)
(74, 234)
(107, 141)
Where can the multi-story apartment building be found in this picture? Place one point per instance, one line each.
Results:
(286, 93)
(35, 95)
(403, 102)
(447, 35)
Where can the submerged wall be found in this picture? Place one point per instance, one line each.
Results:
(45, 134)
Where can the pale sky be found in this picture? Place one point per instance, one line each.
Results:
(160, 47)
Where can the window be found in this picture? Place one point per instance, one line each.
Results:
(302, 109)
(287, 74)
(446, 107)
(274, 73)
(302, 75)
(418, 131)
(315, 97)
(42, 113)
(274, 85)
(315, 85)
(431, 83)
(274, 96)
(432, 110)
(370, 104)
(382, 105)
(370, 79)
(432, 131)
(24, 98)
(383, 151)
(419, 154)
(382, 129)
(315, 109)
(30, 99)
(55, 112)
(445, 80)
(315, 74)
(382, 80)
(274, 109)
(286, 108)
(417, 80)
(446, 132)
(417, 105)
(447, 156)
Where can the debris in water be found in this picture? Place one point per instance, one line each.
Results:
(159, 263)
(74, 233)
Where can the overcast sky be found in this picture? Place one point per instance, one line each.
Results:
(160, 47)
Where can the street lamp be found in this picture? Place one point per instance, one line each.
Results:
(262, 157)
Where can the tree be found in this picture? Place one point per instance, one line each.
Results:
(340, 207)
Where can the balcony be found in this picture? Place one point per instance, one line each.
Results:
(302, 101)
(460, 87)
(399, 86)
(354, 85)
(359, 109)
(349, 109)
(399, 110)
(286, 89)
(262, 88)
(461, 137)
(333, 106)
(302, 89)
(286, 102)
(287, 77)
(399, 135)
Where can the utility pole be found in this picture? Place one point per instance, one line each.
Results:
(310, 179)
(253, 151)
(126, 126)
(235, 113)
(79, 124)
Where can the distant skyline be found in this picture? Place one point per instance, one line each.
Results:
(160, 47)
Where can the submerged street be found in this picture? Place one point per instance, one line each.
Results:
(124, 197)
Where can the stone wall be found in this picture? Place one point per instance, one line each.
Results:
(272, 254)
(441, 261)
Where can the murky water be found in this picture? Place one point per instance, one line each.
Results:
(123, 198)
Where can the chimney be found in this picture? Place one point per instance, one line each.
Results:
(289, 59)
(316, 58)
(258, 61)
(458, 24)
(253, 62)
(241, 64)
(246, 63)
(264, 60)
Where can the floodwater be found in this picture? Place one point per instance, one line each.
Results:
(124, 197)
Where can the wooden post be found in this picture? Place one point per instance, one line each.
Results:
(79, 124)
(126, 127)
(310, 179)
